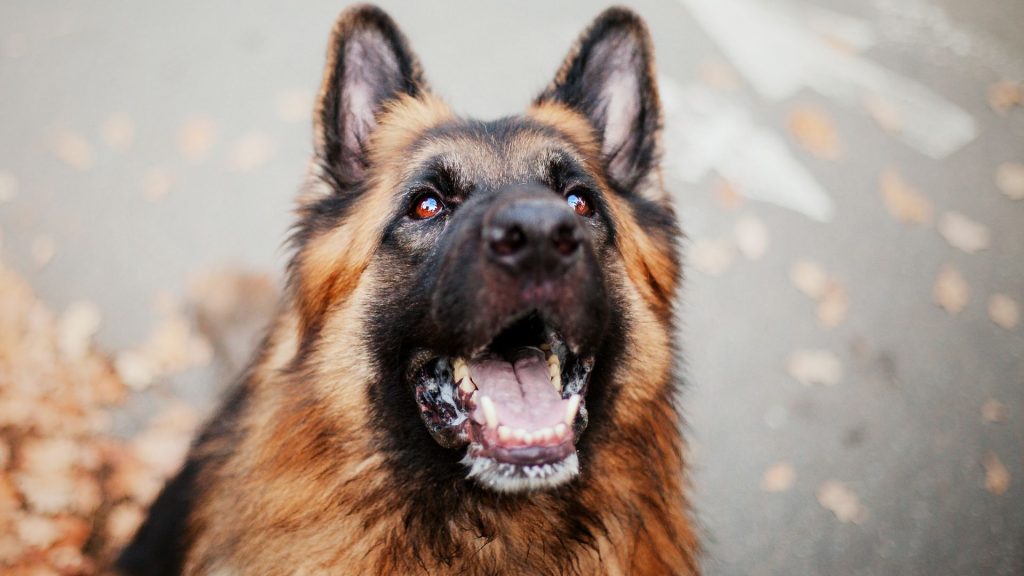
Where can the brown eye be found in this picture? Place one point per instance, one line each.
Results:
(579, 202)
(427, 206)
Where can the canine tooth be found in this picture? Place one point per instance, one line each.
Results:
(504, 433)
(461, 370)
(553, 360)
(556, 378)
(466, 385)
(560, 430)
(490, 412)
(571, 409)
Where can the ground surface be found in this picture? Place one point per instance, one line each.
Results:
(844, 172)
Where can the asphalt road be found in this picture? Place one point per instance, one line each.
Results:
(888, 464)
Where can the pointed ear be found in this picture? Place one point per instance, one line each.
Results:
(368, 63)
(609, 77)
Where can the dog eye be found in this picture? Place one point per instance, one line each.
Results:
(426, 206)
(579, 201)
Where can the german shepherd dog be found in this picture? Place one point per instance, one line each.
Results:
(473, 368)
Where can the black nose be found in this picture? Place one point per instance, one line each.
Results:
(533, 235)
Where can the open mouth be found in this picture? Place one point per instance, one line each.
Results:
(518, 403)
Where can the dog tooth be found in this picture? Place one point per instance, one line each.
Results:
(490, 411)
(571, 408)
(556, 379)
(504, 433)
(466, 385)
(560, 430)
(461, 370)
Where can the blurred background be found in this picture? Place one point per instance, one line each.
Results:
(850, 176)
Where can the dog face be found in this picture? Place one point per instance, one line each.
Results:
(513, 278)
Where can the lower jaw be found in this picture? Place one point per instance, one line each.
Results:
(512, 478)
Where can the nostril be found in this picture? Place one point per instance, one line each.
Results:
(507, 241)
(566, 239)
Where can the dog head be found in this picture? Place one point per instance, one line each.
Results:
(493, 296)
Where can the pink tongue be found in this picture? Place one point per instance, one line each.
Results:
(521, 391)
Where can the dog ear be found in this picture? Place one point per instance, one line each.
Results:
(609, 77)
(368, 63)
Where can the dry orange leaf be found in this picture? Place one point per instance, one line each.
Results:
(993, 411)
(810, 367)
(718, 74)
(905, 203)
(809, 278)
(295, 105)
(837, 497)
(951, 291)
(196, 138)
(778, 477)
(1010, 180)
(815, 131)
(997, 477)
(751, 236)
(8, 186)
(726, 196)
(76, 327)
(712, 257)
(833, 305)
(43, 249)
(157, 182)
(963, 233)
(1004, 311)
(118, 132)
(74, 150)
(884, 112)
(1004, 95)
(250, 152)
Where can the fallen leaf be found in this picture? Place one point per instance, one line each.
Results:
(810, 367)
(295, 105)
(751, 236)
(726, 196)
(1004, 311)
(815, 131)
(809, 278)
(884, 112)
(43, 249)
(74, 150)
(997, 477)
(118, 131)
(951, 291)
(712, 257)
(196, 138)
(135, 369)
(76, 327)
(905, 203)
(122, 522)
(250, 152)
(963, 233)
(8, 186)
(833, 305)
(1010, 179)
(157, 182)
(778, 477)
(836, 497)
(993, 411)
(1004, 95)
(718, 74)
